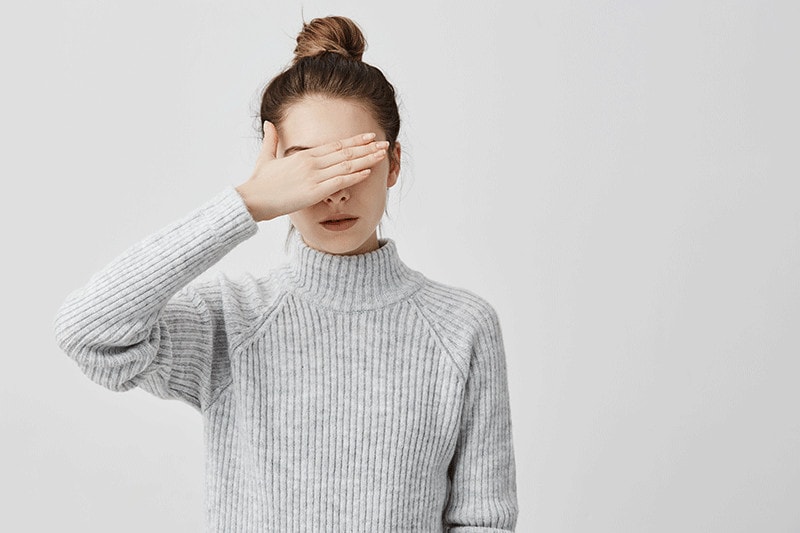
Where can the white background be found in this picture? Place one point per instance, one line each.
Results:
(618, 178)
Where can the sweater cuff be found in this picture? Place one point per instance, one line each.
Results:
(228, 215)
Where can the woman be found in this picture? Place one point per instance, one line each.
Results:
(342, 391)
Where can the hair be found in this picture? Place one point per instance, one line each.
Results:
(327, 62)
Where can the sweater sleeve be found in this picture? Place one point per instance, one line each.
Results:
(139, 322)
(482, 472)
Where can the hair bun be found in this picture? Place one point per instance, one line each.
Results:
(330, 34)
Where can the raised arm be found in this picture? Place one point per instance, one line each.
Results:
(139, 321)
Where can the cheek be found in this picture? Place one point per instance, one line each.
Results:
(382, 167)
(379, 174)
(298, 218)
(375, 193)
(373, 186)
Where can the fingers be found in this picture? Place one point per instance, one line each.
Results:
(356, 140)
(341, 161)
(351, 158)
(337, 183)
(350, 166)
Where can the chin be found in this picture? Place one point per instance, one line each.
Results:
(336, 244)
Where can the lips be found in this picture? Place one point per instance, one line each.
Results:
(339, 223)
(337, 218)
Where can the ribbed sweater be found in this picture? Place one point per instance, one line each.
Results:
(338, 393)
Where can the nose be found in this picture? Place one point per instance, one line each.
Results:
(338, 197)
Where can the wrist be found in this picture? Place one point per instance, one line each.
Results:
(246, 198)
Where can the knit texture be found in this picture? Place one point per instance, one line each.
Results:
(338, 393)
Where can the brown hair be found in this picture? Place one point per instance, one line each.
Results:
(327, 61)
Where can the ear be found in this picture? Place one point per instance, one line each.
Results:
(394, 167)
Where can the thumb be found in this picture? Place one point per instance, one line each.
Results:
(269, 147)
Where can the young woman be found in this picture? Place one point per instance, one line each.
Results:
(342, 391)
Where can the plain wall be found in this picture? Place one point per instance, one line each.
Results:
(618, 178)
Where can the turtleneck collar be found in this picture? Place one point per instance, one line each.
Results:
(351, 282)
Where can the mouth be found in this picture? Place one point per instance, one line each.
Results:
(339, 222)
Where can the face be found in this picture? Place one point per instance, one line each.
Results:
(318, 120)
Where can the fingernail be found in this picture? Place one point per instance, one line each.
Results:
(368, 136)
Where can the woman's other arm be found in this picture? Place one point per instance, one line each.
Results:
(483, 492)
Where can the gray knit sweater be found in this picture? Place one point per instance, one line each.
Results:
(338, 393)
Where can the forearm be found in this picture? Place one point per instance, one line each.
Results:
(108, 322)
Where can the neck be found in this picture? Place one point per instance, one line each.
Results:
(351, 282)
